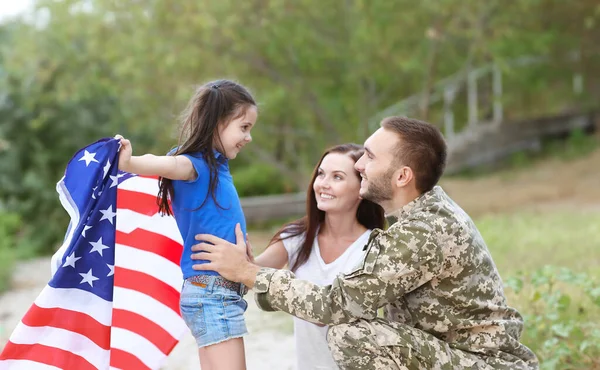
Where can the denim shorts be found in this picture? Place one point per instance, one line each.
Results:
(213, 313)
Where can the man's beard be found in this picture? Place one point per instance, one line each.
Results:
(379, 189)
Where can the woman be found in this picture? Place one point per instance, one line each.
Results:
(327, 241)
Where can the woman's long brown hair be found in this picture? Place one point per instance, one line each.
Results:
(214, 103)
(368, 214)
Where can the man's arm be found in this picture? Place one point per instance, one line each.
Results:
(396, 262)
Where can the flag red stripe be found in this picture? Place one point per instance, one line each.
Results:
(73, 321)
(149, 285)
(125, 360)
(148, 177)
(151, 242)
(46, 355)
(148, 329)
(137, 201)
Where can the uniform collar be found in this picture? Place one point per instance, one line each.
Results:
(396, 215)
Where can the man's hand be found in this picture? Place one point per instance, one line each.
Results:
(229, 260)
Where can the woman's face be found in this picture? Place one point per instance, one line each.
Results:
(337, 184)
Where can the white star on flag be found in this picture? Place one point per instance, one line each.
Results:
(70, 260)
(98, 246)
(88, 278)
(115, 181)
(106, 168)
(112, 270)
(85, 228)
(108, 214)
(88, 158)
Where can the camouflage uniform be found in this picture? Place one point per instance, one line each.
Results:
(444, 301)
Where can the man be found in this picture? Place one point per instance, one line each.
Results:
(444, 302)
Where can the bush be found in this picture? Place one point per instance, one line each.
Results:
(261, 179)
(561, 317)
(9, 226)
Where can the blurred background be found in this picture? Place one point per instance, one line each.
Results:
(514, 85)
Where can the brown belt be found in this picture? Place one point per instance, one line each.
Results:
(204, 280)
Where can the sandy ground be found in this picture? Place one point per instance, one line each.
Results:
(270, 345)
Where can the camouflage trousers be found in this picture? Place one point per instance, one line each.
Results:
(387, 345)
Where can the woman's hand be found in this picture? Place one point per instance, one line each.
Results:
(249, 250)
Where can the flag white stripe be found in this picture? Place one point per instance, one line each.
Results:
(151, 309)
(138, 346)
(149, 263)
(76, 300)
(141, 185)
(25, 365)
(63, 339)
(128, 221)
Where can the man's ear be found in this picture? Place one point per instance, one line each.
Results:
(403, 176)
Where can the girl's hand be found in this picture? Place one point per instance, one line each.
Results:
(124, 153)
(249, 250)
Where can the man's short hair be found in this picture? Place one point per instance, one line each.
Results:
(421, 147)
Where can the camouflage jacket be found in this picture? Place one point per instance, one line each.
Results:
(430, 269)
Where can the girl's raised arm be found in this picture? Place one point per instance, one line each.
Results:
(171, 167)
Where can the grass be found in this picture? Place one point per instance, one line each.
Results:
(550, 262)
(527, 240)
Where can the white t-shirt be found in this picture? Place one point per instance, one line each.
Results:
(311, 345)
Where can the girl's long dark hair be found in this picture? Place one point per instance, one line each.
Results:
(368, 214)
(214, 103)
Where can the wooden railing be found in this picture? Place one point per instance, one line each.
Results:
(477, 142)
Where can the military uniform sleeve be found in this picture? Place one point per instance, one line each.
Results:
(396, 262)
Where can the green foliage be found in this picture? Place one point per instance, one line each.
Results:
(261, 179)
(561, 311)
(40, 134)
(577, 144)
(9, 226)
(559, 304)
(319, 70)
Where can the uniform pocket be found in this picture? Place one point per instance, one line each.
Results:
(367, 264)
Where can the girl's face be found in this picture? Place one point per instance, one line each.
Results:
(337, 184)
(236, 133)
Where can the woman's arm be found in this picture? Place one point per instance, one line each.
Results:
(275, 256)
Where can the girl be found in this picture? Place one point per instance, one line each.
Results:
(328, 241)
(197, 188)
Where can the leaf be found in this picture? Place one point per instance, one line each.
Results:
(564, 302)
(561, 330)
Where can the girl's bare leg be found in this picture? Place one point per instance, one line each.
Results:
(228, 355)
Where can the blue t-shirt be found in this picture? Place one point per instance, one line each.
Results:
(218, 220)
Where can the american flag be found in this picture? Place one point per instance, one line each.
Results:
(113, 299)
